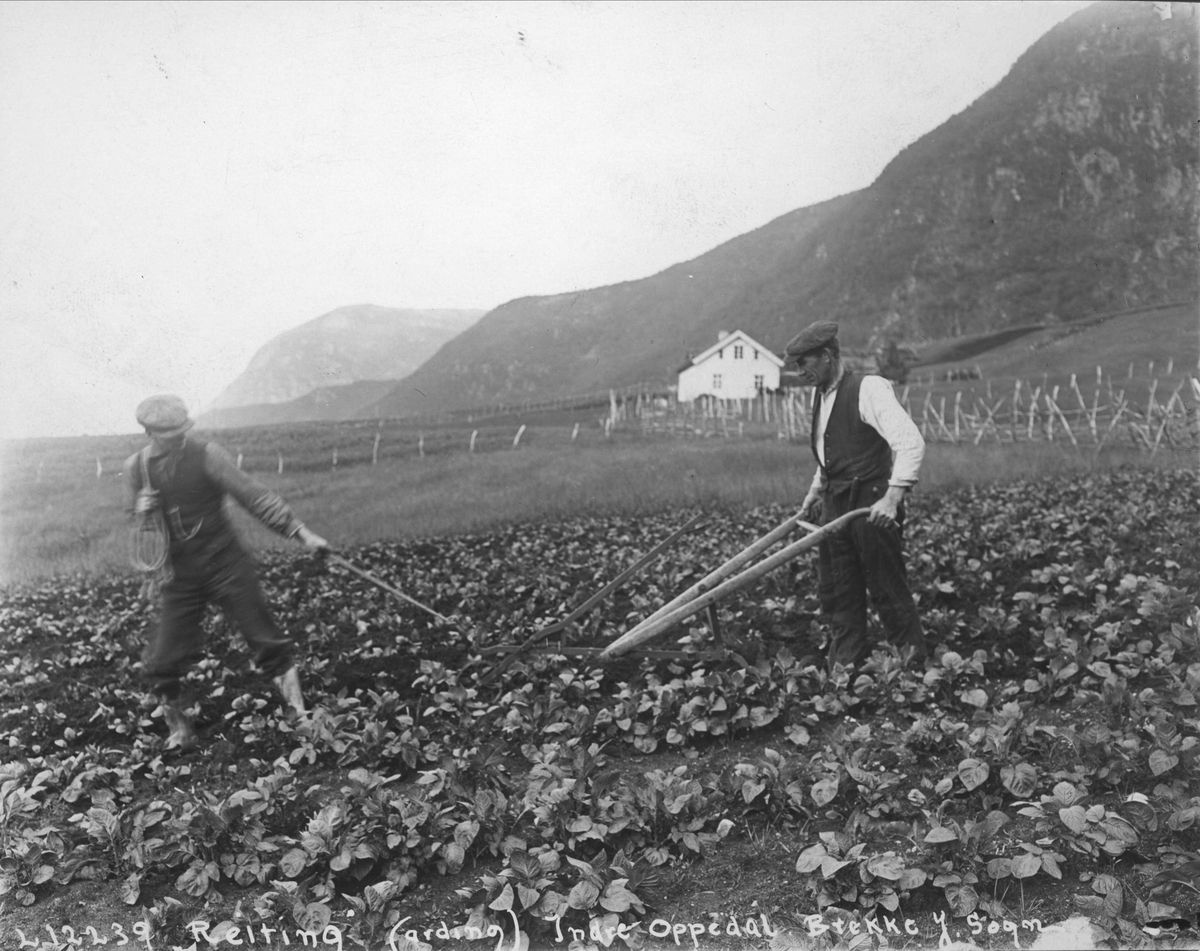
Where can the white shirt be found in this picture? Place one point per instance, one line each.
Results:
(879, 409)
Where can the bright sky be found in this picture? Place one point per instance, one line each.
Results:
(181, 182)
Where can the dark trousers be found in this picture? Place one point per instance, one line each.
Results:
(226, 577)
(860, 561)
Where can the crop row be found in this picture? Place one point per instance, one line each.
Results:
(1054, 732)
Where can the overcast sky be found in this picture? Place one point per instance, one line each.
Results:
(181, 182)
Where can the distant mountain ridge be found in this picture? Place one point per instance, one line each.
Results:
(1067, 189)
(335, 355)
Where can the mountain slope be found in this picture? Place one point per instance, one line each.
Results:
(347, 345)
(608, 336)
(326, 403)
(1067, 189)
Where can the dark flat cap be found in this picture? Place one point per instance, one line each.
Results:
(164, 414)
(820, 334)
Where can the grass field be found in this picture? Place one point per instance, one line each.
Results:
(69, 520)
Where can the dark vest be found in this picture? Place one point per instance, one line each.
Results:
(193, 504)
(853, 450)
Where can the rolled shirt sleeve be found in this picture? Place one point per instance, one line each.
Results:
(879, 408)
(266, 506)
(818, 481)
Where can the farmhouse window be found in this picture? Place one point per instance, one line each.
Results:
(721, 354)
(716, 381)
(737, 352)
(756, 353)
(759, 383)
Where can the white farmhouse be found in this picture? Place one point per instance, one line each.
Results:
(736, 367)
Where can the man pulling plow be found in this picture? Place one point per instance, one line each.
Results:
(183, 539)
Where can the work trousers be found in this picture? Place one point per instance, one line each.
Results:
(860, 561)
(223, 574)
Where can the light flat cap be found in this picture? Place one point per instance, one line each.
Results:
(164, 415)
(820, 334)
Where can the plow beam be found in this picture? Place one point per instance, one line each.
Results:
(715, 577)
(668, 617)
(594, 652)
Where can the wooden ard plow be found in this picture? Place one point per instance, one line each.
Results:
(736, 573)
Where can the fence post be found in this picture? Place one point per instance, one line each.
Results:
(1016, 412)
(574, 432)
(99, 468)
(517, 437)
(281, 463)
(474, 433)
(375, 451)
(239, 459)
(421, 445)
(335, 457)
(1167, 411)
(1063, 419)
(1112, 423)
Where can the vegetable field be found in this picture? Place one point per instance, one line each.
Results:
(1042, 765)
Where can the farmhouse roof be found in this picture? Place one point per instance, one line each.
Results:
(727, 341)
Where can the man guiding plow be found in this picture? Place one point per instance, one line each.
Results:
(183, 539)
(868, 453)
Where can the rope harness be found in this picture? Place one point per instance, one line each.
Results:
(149, 540)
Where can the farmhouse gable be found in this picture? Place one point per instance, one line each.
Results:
(735, 367)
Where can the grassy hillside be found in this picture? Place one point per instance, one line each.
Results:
(1150, 341)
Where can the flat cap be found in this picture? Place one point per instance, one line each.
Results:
(164, 414)
(820, 334)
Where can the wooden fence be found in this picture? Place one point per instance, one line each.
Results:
(1150, 414)
(1163, 417)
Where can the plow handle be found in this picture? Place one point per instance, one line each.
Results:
(380, 583)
